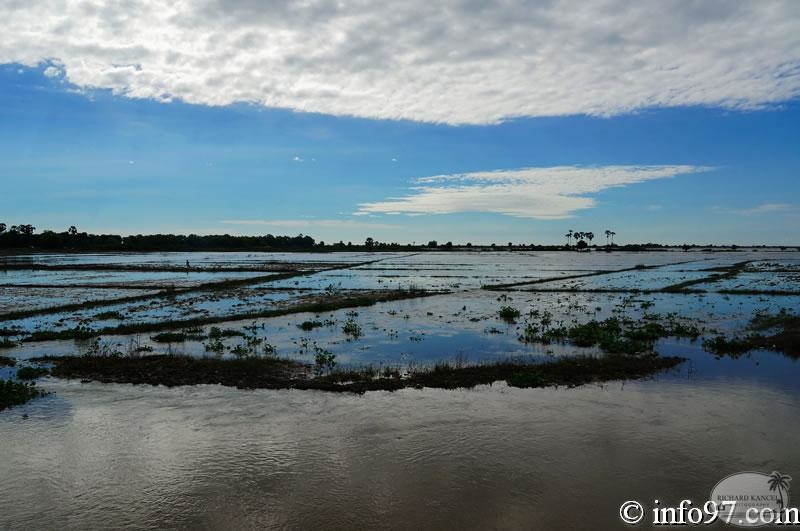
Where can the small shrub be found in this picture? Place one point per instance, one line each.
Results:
(509, 313)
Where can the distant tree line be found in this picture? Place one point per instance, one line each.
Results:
(25, 236)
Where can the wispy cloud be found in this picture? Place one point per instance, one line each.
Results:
(764, 208)
(467, 61)
(542, 193)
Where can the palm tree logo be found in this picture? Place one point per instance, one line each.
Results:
(780, 483)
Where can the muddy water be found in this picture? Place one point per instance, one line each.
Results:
(120, 456)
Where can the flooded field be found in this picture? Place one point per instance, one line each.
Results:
(115, 455)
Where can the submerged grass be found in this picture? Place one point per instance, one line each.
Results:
(318, 306)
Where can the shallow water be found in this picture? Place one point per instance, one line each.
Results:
(120, 456)
(140, 457)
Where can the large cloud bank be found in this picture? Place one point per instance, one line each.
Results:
(457, 62)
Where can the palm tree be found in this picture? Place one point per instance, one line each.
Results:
(780, 483)
(569, 237)
(608, 233)
(590, 236)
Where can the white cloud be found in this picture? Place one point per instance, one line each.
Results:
(52, 71)
(542, 193)
(460, 61)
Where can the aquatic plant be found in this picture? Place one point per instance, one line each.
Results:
(612, 335)
(218, 333)
(324, 360)
(215, 345)
(352, 328)
(17, 393)
(508, 313)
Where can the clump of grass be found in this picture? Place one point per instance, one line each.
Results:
(103, 316)
(508, 314)
(178, 337)
(310, 325)
(31, 373)
(6, 361)
(16, 393)
(352, 328)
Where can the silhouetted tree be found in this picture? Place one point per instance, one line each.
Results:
(72, 230)
(26, 230)
(2, 228)
(369, 243)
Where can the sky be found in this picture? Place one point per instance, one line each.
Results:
(472, 121)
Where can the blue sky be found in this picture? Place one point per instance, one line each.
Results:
(113, 154)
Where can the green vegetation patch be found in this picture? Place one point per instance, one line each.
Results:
(14, 393)
(612, 335)
(509, 314)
